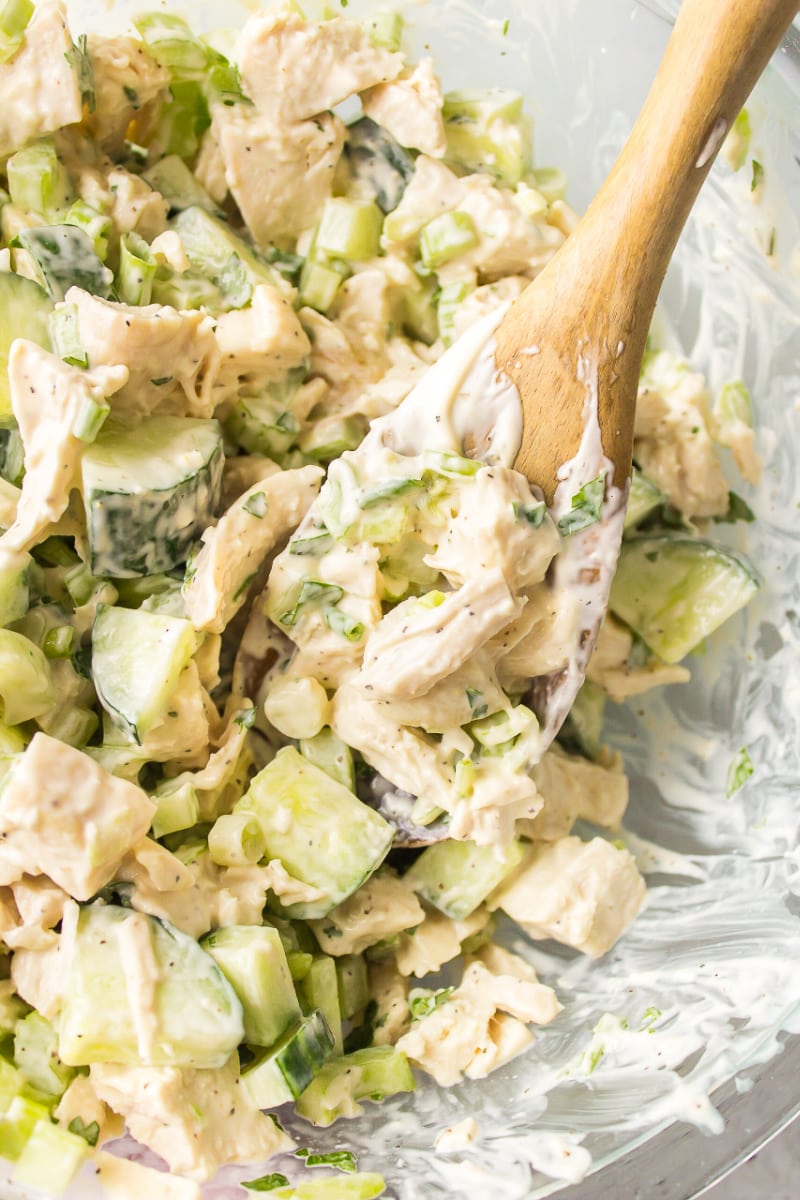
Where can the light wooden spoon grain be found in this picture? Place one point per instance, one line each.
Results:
(573, 342)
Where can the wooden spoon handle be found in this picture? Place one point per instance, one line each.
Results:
(600, 290)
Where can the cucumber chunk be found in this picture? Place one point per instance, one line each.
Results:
(192, 1018)
(51, 1158)
(137, 660)
(675, 591)
(378, 162)
(369, 1074)
(25, 310)
(15, 569)
(36, 1055)
(321, 832)
(285, 1071)
(64, 257)
(149, 493)
(26, 688)
(353, 984)
(253, 960)
(643, 498)
(328, 752)
(319, 990)
(210, 244)
(456, 877)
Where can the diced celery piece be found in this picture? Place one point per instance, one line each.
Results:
(737, 143)
(350, 228)
(90, 419)
(551, 182)
(353, 984)
(734, 403)
(18, 1123)
(445, 237)
(137, 660)
(328, 752)
(183, 119)
(332, 436)
(287, 1069)
(60, 641)
(26, 688)
(253, 960)
(236, 840)
(319, 284)
(451, 296)
(37, 181)
(643, 497)
(456, 877)
(369, 1074)
(483, 104)
(15, 570)
(420, 313)
(12, 1008)
(185, 290)
(36, 1055)
(197, 1017)
(177, 808)
(172, 42)
(319, 990)
(137, 270)
(501, 727)
(65, 335)
(14, 17)
(73, 725)
(385, 29)
(321, 832)
(364, 1185)
(11, 1082)
(96, 224)
(51, 1158)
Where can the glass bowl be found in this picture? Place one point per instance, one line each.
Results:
(676, 1054)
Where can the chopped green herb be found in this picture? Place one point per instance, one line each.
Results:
(90, 1133)
(315, 543)
(343, 1160)
(587, 504)
(739, 772)
(342, 622)
(594, 1058)
(78, 57)
(649, 1018)
(475, 701)
(757, 177)
(256, 505)
(311, 592)
(131, 95)
(738, 510)
(266, 1183)
(161, 381)
(531, 514)
(505, 26)
(244, 585)
(423, 1001)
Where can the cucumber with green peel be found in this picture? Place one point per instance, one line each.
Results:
(149, 493)
(643, 498)
(253, 960)
(210, 243)
(137, 660)
(264, 423)
(64, 256)
(378, 163)
(12, 452)
(321, 832)
(328, 752)
(353, 984)
(456, 877)
(112, 958)
(319, 990)
(172, 178)
(369, 1074)
(25, 310)
(675, 591)
(285, 1071)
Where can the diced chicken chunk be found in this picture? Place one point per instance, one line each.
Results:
(279, 176)
(39, 87)
(120, 1178)
(611, 669)
(235, 548)
(382, 907)
(48, 398)
(63, 816)
(198, 1120)
(334, 59)
(572, 789)
(389, 989)
(584, 894)
(126, 79)
(172, 357)
(410, 108)
(435, 941)
(38, 975)
(260, 343)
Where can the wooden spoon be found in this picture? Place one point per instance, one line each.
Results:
(574, 340)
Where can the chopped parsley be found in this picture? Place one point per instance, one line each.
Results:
(343, 1160)
(531, 514)
(256, 505)
(266, 1183)
(90, 1133)
(739, 772)
(423, 1001)
(311, 592)
(587, 504)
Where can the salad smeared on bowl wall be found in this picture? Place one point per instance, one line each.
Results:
(228, 687)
